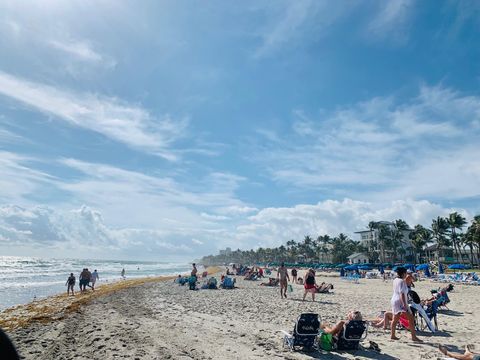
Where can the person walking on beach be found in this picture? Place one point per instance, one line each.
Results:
(84, 279)
(94, 278)
(309, 284)
(282, 273)
(71, 283)
(400, 304)
(123, 273)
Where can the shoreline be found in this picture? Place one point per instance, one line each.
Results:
(56, 307)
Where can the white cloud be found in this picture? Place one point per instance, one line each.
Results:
(273, 226)
(77, 230)
(81, 50)
(119, 121)
(391, 21)
(83, 230)
(19, 179)
(383, 148)
(291, 21)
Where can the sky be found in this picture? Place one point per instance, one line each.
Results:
(172, 129)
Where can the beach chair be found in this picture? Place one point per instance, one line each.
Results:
(353, 332)
(228, 283)
(305, 332)
(192, 282)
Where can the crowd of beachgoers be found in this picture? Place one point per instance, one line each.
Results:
(245, 312)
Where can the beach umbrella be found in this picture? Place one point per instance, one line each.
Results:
(457, 267)
(341, 265)
(422, 267)
(351, 267)
(365, 267)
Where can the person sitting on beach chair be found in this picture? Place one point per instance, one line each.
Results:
(192, 283)
(383, 320)
(228, 283)
(348, 333)
(212, 283)
(305, 332)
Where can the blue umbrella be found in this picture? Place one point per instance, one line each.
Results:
(365, 267)
(457, 267)
(422, 267)
(351, 267)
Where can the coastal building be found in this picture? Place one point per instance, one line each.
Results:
(371, 239)
(358, 258)
(225, 252)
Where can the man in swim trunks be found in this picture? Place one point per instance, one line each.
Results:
(84, 279)
(282, 273)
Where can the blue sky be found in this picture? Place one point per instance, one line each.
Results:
(174, 129)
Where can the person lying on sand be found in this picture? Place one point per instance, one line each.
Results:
(323, 287)
(467, 355)
(271, 282)
(338, 328)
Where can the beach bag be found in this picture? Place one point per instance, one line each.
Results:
(326, 342)
(290, 288)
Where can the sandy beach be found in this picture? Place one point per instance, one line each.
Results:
(162, 320)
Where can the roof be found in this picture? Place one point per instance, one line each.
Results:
(355, 255)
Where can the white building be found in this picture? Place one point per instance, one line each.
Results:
(358, 258)
(370, 239)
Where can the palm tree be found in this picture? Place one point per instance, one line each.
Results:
(473, 237)
(420, 237)
(456, 221)
(439, 231)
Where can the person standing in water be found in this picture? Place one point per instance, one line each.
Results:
(282, 273)
(71, 283)
(123, 273)
(400, 305)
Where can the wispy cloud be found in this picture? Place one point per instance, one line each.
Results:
(81, 50)
(289, 22)
(391, 21)
(126, 123)
(379, 145)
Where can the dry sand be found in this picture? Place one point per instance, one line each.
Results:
(162, 320)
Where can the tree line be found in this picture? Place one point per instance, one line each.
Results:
(387, 242)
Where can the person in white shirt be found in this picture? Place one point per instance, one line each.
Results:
(400, 304)
(94, 278)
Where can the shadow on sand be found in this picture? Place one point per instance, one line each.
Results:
(335, 355)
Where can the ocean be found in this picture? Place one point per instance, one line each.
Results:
(23, 279)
